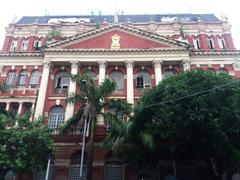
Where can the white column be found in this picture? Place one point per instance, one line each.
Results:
(7, 106)
(32, 111)
(102, 71)
(20, 108)
(130, 96)
(71, 90)
(186, 65)
(158, 70)
(42, 89)
(101, 78)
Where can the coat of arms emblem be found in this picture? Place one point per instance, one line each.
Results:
(115, 41)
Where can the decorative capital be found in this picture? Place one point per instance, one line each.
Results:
(102, 64)
(186, 65)
(46, 63)
(129, 63)
(236, 65)
(157, 63)
(74, 64)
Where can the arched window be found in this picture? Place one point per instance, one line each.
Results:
(34, 79)
(169, 73)
(118, 77)
(143, 80)
(62, 81)
(56, 117)
(91, 74)
(75, 168)
(211, 43)
(22, 79)
(10, 80)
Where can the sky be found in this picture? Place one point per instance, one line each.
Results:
(18, 8)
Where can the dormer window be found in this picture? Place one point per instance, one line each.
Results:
(37, 44)
(196, 43)
(221, 43)
(24, 45)
(13, 46)
(211, 43)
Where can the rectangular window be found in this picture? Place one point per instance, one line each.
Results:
(24, 45)
(196, 43)
(37, 44)
(221, 43)
(211, 43)
(13, 46)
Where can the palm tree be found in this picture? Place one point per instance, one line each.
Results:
(92, 98)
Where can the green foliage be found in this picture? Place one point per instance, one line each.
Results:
(194, 114)
(54, 34)
(24, 146)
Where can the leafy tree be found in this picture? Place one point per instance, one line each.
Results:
(195, 115)
(24, 144)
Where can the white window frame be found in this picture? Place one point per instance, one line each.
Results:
(37, 44)
(34, 79)
(22, 79)
(118, 77)
(24, 46)
(221, 43)
(211, 44)
(13, 46)
(56, 117)
(146, 84)
(11, 79)
(62, 81)
(196, 43)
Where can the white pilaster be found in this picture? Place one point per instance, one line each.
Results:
(7, 106)
(130, 96)
(71, 90)
(42, 89)
(101, 78)
(102, 71)
(186, 65)
(20, 108)
(158, 70)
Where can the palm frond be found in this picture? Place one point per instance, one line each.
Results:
(106, 88)
(147, 140)
(118, 145)
(73, 121)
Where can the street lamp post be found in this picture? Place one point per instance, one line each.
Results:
(83, 142)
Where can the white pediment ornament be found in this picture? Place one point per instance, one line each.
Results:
(236, 65)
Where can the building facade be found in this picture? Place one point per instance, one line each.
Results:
(137, 51)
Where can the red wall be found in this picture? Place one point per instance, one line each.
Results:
(126, 41)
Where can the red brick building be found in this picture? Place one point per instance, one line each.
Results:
(40, 53)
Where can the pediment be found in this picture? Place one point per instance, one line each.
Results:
(118, 37)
